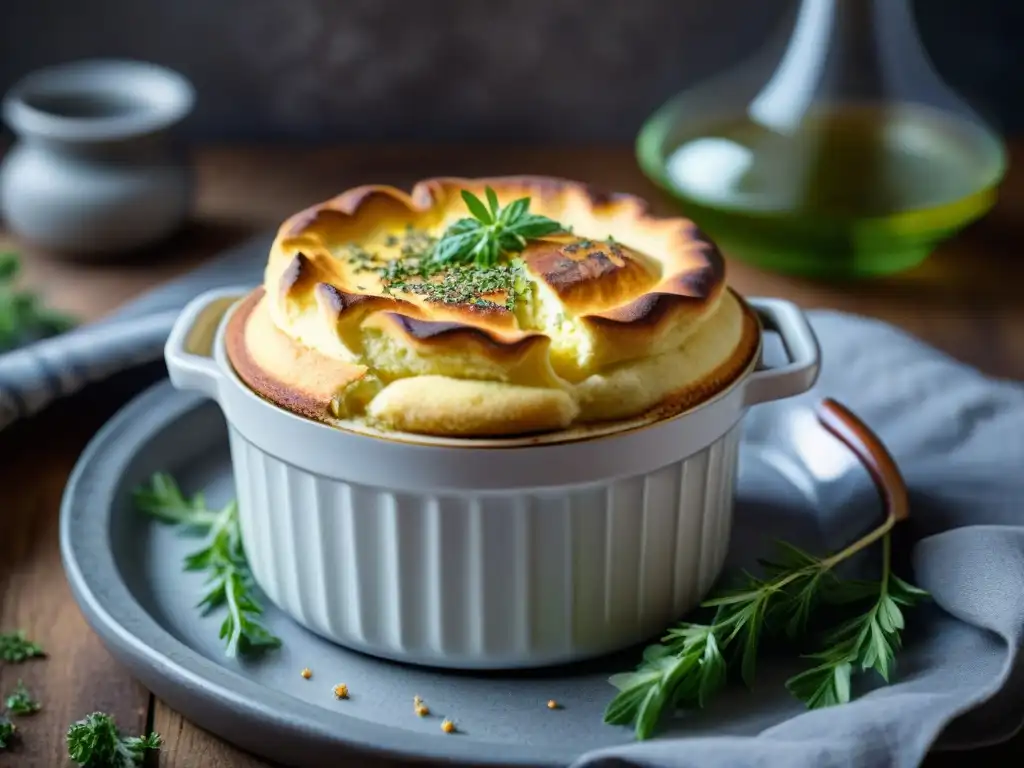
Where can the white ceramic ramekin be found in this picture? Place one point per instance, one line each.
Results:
(460, 556)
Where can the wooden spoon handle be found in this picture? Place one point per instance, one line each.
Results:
(875, 457)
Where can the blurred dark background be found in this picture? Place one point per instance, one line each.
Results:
(531, 70)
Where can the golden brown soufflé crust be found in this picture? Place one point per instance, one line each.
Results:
(628, 318)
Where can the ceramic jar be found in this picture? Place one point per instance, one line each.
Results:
(94, 172)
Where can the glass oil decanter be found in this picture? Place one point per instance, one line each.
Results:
(845, 156)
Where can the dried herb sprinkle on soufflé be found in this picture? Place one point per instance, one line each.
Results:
(473, 263)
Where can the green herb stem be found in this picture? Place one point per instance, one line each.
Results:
(690, 666)
(229, 581)
(881, 532)
(492, 233)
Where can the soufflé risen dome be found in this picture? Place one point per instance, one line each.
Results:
(530, 305)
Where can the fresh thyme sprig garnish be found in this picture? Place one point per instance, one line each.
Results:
(867, 641)
(471, 264)
(23, 316)
(691, 664)
(94, 742)
(230, 583)
(492, 232)
(16, 648)
(693, 661)
(20, 702)
(163, 500)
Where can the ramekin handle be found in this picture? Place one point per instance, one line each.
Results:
(189, 348)
(800, 373)
(868, 447)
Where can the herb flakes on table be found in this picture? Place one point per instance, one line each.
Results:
(23, 316)
(20, 702)
(229, 581)
(94, 742)
(8, 730)
(16, 648)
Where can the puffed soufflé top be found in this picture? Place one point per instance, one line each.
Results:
(617, 314)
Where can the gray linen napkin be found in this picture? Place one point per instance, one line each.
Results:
(34, 376)
(959, 439)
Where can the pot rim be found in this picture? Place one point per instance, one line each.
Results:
(196, 358)
(604, 431)
(155, 96)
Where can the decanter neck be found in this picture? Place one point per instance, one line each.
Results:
(845, 51)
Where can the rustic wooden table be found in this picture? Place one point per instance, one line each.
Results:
(966, 300)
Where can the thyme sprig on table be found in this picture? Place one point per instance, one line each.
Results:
(229, 584)
(94, 742)
(693, 661)
(20, 701)
(23, 316)
(491, 232)
(8, 731)
(867, 641)
(16, 648)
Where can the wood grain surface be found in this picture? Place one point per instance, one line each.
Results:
(965, 300)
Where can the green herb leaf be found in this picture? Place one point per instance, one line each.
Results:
(230, 584)
(530, 226)
(492, 202)
(16, 648)
(515, 211)
(477, 208)
(20, 702)
(822, 686)
(229, 581)
(867, 641)
(644, 694)
(713, 671)
(161, 498)
(492, 233)
(23, 317)
(7, 732)
(904, 593)
(691, 666)
(10, 266)
(94, 742)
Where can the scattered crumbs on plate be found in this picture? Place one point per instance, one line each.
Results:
(419, 707)
(341, 691)
(306, 673)
(447, 726)
(552, 704)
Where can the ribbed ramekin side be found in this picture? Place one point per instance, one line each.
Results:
(476, 580)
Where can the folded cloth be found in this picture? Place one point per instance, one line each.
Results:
(34, 376)
(959, 440)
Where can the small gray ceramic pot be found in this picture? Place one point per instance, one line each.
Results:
(93, 172)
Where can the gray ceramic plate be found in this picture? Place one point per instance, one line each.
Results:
(795, 481)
